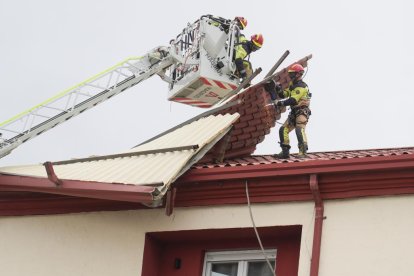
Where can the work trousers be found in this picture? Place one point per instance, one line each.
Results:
(297, 120)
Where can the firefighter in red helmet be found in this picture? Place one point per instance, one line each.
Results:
(297, 96)
(241, 22)
(242, 51)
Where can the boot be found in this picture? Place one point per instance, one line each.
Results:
(284, 154)
(303, 149)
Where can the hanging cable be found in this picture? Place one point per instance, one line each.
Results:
(304, 75)
(257, 233)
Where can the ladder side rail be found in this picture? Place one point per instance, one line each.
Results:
(106, 94)
(69, 90)
(49, 103)
(5, 148)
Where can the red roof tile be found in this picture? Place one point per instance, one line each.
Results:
(313, 156)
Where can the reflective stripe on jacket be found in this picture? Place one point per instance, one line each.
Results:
(242, 51)
(298, 91)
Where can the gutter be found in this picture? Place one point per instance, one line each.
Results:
(317, 232)
(77, 188)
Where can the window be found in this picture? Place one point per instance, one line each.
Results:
(183, 252)
(239, 263)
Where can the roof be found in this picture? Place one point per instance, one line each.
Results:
(340, 174)
(174, 152)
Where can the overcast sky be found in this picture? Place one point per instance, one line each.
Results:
(360, 74)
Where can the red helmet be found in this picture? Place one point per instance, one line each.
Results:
(257, 40)
(297, 68)
(242, 21)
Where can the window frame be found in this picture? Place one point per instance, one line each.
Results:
(242, 257)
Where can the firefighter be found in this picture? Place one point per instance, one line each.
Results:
(224, 24)
(296, 96)
(241, 22)
(242, 51)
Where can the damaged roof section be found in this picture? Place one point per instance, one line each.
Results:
(156, 163)
(257, 117)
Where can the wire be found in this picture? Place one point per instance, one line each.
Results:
(257, 233)
(307, 68)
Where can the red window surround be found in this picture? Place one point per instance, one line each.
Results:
(177, 253)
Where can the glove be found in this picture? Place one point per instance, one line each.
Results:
(273, 86)
(247, 85)
(278, 87)
(278, 103)
(243, 74)
(270, 86)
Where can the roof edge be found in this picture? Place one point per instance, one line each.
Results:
(88, 189)
(299, 168)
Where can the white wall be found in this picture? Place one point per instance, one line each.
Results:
(371, 236)
(111, 243)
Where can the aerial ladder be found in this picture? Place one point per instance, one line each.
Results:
(198, 66)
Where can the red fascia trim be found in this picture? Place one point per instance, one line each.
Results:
(58, 204)
(299, 168)
(296, 188)
(90, 189)
(262, 190)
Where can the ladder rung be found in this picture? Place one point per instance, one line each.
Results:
(39, 115)
(123, 74)
(83, 94)
(9, 130)
(54, 108)
(96, 86)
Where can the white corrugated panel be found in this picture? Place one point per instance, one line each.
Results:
(147, 168)
(199, 133)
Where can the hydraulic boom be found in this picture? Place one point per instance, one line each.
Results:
(198, 66)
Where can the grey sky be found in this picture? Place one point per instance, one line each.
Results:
(359, 74)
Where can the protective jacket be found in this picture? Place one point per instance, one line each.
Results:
(296, 95)
(243, 49)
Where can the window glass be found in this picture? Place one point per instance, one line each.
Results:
(260, 268)
(224, 269)
(239, 263)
